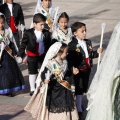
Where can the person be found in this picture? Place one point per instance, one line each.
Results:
(104, 92)
(62, 33)
(45, 7)
(80, 55)
(14, 17)
(36, 42)
(59, 100)
(11, 79)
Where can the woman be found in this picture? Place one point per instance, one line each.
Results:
(104, 92)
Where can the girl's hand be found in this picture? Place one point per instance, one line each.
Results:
(75, 71)
(99, 50)
(46, 81)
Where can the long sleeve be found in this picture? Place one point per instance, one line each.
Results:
(21, 16)
(43, 74)
(23, 46)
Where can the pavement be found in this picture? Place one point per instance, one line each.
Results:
(92, 13)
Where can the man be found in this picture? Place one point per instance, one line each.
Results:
(14, 16)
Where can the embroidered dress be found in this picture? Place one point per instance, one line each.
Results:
(50, 15)
(59, 101)
(61, 36)
(11, 78)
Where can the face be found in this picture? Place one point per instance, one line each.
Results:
(1, 24)
(9, 1)
(64, 54)
(63, 22)
(46, 3)
(81, 33)
(39, 26)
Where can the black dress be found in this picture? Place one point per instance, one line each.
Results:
(59, 99)
(11, 78)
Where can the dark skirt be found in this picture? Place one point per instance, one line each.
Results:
(11, 78)
(59, 99)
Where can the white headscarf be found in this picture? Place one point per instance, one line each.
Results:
(102, 89)
(10, 32)
(39, 4)
(53, 50)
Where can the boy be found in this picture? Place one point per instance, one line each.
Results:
(36, 41)
(14, 15)
(81, 50)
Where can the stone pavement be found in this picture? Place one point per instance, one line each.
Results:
(91, 12)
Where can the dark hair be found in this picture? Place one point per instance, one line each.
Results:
(38, 18)
(63, 15)
(76, 25)
(2, 17)
(61, 50)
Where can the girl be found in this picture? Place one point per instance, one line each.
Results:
(45, 7)
(59, 100)
(62, 33)
(11, 79)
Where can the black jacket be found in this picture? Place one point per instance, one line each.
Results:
(77, 59)
(17, 13)
(29, 41)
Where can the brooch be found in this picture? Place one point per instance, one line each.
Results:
(56, 70)
(77, 48)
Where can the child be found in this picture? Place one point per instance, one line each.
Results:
(45, 7)
(14, 17)
(62, 33)
(36, 41)
(59, 100)
(80, 56)
(11, 79)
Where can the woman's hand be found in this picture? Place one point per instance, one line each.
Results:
(46, 81)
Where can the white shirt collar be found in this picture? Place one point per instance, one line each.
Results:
(10, 8)
(84, 47)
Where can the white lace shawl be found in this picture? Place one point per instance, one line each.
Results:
(100, 94)
(53, 50)
(61, 36)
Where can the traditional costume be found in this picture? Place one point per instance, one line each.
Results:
(80, 55)
(104, 92)
(59, 100)
(36, 44)
(59, 35)
(50, 15)
(14, 16)
(11, 78)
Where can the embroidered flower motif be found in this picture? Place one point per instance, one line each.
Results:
(43, 11)
(1, 38)
(56, 71)
(77, 48)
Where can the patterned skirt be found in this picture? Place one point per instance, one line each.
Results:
(35, 107)
(11, 78)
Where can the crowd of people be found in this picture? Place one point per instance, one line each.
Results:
(58, 56)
